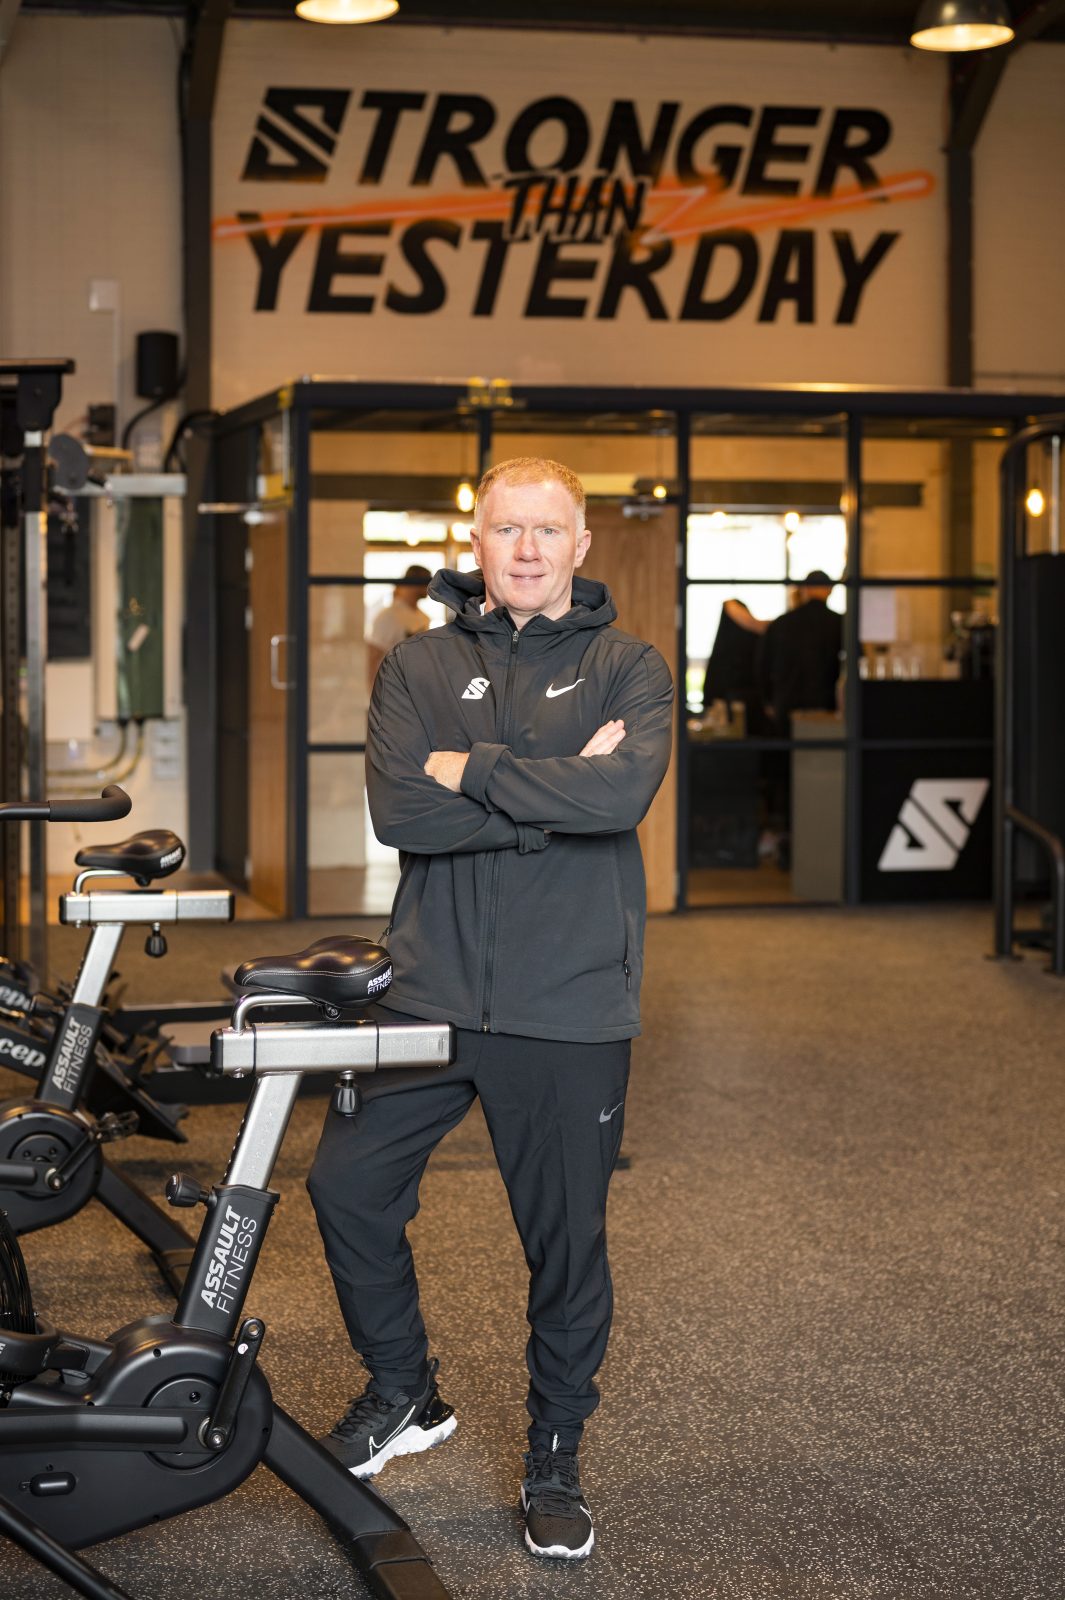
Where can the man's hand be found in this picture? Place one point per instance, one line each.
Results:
(605, 740)
(447, 767)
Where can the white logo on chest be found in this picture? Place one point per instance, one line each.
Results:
(553, 693)
(476, 689)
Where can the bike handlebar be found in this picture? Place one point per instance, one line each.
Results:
(112, 804)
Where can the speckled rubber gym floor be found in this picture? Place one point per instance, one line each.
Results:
(836, 1371)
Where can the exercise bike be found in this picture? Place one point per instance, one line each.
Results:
(36, 1027)
(172, 1411)
(52, 1159)
(18, 985)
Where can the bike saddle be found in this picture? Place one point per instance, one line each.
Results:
(338, 971)
(155, 853)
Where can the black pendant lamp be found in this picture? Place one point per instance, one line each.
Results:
(956, 25)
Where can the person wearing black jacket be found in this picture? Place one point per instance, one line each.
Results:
(800, 664)
(511, 755)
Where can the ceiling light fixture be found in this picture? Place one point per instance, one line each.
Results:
(1035, 502)
(957, 25)
(348, 11)
(465, 496)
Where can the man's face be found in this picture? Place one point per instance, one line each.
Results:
(528, 544)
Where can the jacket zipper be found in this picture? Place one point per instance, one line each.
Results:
(616, 870)
(493, 895)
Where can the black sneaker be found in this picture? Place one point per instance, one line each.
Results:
(376, 1427)
(557, 1519)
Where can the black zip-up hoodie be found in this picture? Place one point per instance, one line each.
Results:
(521, 901)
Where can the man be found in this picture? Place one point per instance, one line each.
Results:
(801, 655)
(511, 755)
(400, 620)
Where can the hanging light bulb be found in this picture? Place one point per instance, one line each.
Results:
(465, 496)
(791, 521)
(346, 10)
(1035, 501)
(718, 518)
(660, 491)
(958, 25)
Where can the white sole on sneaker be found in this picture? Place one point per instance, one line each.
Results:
(411, 1442)
(557, 1551)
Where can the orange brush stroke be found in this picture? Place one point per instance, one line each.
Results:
(673, 210)
(702, 214)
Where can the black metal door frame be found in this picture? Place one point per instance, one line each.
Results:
(856, 404)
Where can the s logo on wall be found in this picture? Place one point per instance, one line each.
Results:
(414, 203)
(934, 825)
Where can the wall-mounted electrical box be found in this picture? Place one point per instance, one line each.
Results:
(138, 595)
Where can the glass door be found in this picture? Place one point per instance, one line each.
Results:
(765, 551)
(270, 685)
(383, 516)
(627, 462)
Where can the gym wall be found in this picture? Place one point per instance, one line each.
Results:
(88, 129)
(90, 214)
(90, 190)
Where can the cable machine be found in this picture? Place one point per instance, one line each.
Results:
(30, 390)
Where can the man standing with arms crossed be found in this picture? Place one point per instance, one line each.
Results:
(511, 755)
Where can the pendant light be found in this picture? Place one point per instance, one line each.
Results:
(957, 25)
(346, 10)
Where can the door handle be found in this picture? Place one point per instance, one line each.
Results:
(276, 682)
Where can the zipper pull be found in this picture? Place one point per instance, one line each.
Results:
(628, 975)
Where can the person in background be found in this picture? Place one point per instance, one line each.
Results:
(798, 671)
(400, 620)
(800, 663)
(732, 670)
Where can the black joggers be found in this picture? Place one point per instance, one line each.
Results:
(554, 1112)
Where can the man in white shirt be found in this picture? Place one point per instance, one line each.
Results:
(401, 620)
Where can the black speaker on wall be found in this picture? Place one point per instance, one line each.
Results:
(157, 365)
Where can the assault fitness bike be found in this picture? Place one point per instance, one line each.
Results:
(36, 1024)
(52, 1160)
(173, 1411)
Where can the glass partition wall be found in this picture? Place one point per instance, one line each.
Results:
(818, 567)
(927, 627)
(383, 516)
(764, 658)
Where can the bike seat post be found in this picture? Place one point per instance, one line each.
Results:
(110, 912)
(97, 963)
(239, 1208)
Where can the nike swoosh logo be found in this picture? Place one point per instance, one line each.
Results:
(398, 1429)
(553, 693)
(605, 1116)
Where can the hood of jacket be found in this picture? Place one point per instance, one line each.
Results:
(463, 593)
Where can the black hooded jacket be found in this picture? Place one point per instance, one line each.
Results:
(521, 901)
